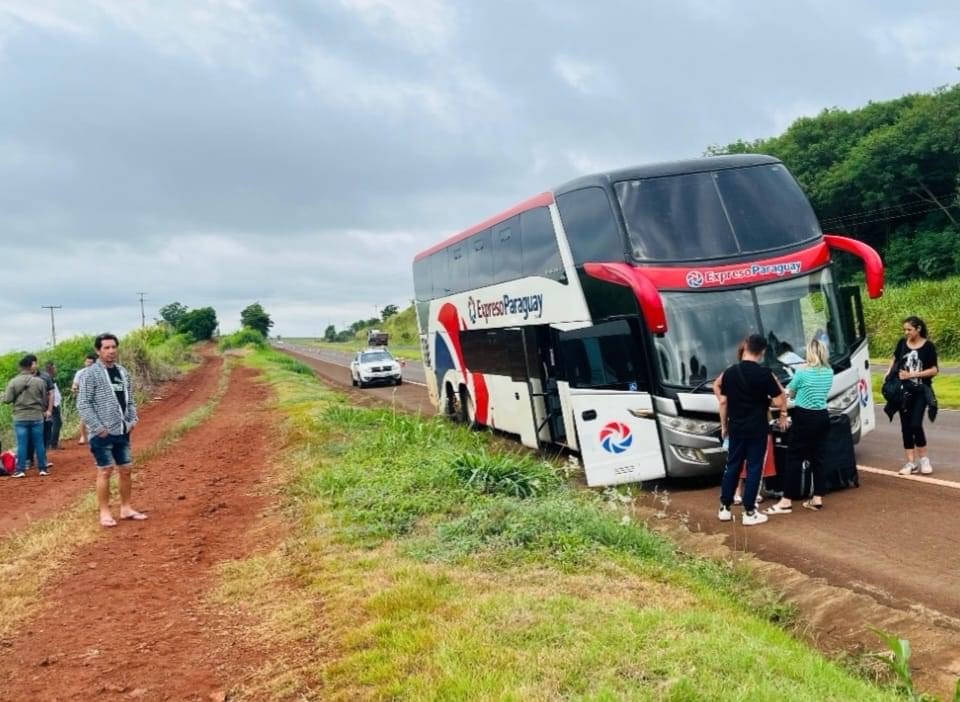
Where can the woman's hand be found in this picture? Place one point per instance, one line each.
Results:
(907, 375)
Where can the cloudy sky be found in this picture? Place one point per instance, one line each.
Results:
(300, 152)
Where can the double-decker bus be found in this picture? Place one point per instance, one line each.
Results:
(597, 315)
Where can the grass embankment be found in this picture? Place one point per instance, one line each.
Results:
(947, 388)
(414, 569)
(936, 302)
(29, 557)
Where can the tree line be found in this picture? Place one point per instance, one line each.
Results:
(348, 334)
(201, 324)
(887, 174)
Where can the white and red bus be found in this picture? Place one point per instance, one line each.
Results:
(595, 316)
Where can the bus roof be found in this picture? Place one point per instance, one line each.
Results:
(670, 168)
(654, 170)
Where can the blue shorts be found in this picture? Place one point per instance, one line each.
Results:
(110, 450)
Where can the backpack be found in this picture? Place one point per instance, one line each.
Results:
(8, 463)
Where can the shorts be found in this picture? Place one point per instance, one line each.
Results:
(110, 450)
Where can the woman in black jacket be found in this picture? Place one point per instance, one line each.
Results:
(915, 361)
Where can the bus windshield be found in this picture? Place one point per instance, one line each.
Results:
(715, 214)
(705, 328)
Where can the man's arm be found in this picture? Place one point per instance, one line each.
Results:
(131, 417)
(8, 395)
(780, 400)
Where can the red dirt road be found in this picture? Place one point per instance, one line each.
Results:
(124, 619)
(73, 472)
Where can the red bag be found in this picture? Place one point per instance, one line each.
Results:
(769, 467)
(8, 462)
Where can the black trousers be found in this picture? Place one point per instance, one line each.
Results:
(807, 437)
(51, 429)
(911, 419)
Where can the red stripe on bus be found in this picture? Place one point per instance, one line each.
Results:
(744, 273)
(643, 289)
(541, 200)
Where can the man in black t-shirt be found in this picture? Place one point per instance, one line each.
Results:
(745, 394)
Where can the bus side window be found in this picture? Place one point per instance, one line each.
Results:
(590, 226)
(480, 254)
(541, 254)
(438, 269)
(457, 268)
(507, 251)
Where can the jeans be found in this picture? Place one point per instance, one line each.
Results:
(752, 449)
(30, 432)
(51, 429)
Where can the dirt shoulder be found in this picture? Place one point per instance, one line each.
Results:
(885, 554)
(73, 473)
(125, 618)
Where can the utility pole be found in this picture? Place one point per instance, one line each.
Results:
(143, 316)
(53, 326)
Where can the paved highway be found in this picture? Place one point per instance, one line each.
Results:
(881, 449)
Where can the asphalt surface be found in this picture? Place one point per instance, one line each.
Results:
(881, 449)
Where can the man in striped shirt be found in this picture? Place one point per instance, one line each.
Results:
(106, 405)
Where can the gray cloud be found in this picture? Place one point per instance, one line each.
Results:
(300, 153)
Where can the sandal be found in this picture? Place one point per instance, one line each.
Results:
(777, 509)
(809, 505)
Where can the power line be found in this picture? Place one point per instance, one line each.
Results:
(885, 219)
(917, 203)
(53, 326)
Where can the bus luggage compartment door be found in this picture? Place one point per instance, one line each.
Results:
(617, 432)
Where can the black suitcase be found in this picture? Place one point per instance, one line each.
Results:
(797, 483)
(839, 461)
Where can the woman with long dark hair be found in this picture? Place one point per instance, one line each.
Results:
(915, 361)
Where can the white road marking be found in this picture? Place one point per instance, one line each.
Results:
(916, 478)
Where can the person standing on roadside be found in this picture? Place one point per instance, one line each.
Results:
(88, 361)
(810, 386)
(745, 394)
(915, 360)
(28, 393)
(51, 429)
(106, 405)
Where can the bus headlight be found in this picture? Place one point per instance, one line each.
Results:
(691, 426)
(844, 399)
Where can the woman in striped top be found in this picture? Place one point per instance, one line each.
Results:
(811, 423)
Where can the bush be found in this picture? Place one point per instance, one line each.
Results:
(504, 474)
(244, 337)
(936, 302)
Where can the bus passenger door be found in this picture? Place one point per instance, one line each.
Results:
(611, 404)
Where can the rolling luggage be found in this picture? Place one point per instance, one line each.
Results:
(839, 461)
(796, 484)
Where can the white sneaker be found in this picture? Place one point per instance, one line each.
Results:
(724, 515)
(908, 469)
(925, 466)
(757, 517)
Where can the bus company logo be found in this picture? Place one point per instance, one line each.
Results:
(697, 279)
(615, 437)
(864, 391)
(525, 305)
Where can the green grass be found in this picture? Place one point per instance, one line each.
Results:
(412, 572)
(947, 388)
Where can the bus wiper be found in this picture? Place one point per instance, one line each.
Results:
(699, 386)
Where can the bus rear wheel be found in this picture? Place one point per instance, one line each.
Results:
(468, 410)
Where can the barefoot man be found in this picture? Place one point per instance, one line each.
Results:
(105, 404)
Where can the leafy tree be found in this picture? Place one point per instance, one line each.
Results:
(254, 317)
(887, 174)
(173, 313)
(388, 312)
(200, 324)
(330, 333)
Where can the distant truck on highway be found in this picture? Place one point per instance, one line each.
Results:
(375, 337)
